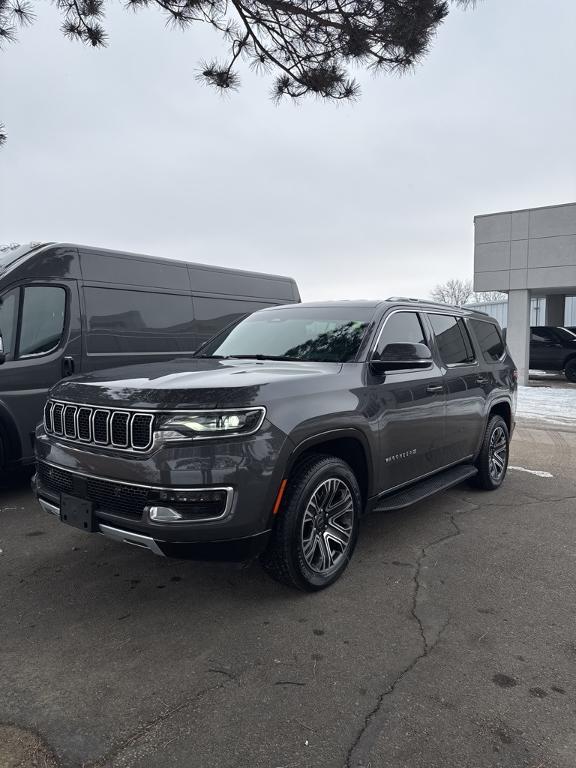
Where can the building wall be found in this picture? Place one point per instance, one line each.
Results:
(499, 311)
(533, 249)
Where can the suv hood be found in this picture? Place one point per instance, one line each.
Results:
(193, 383)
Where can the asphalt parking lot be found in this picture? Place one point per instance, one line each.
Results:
(449, 643)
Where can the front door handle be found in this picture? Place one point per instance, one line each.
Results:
(67, 366)
(481, 380)
(433, 388)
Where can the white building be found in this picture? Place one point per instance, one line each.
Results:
(527, 254)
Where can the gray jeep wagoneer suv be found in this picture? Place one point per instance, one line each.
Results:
(281, 432)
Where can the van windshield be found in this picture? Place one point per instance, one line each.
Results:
(11, 253)
(316, 334)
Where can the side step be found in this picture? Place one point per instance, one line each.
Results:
(428, 487)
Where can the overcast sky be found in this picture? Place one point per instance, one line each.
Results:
(122, 147)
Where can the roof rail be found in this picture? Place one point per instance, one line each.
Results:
(424, 301)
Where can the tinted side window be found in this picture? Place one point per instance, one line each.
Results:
(541, 335)
(489, 339)
(452, 338)
(212, 315)
(43, 314)
(9, 319)
(401, 327)
(138, 321)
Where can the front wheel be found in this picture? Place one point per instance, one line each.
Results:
(570, 370)
(492, 461)
(317, 526)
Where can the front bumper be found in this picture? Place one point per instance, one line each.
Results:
(234, 550)
(250, 470)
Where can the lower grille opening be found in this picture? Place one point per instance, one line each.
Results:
(132, 500)
(106, 495)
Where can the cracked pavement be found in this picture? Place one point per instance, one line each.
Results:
(449, 643)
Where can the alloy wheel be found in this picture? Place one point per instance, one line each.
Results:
(497, 454)
(327, 525)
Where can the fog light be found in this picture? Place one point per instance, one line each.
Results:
(167, 506)
(163, 514)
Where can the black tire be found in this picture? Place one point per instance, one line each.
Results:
(570, 370)
(3, 456)
(490, 474)
(301, 539)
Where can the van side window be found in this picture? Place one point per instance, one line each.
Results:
(9, 319)
(43, 313)
(490, 340)
(401, 327)
(453, 340)
(122, 320)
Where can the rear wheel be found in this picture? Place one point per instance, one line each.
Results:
(570, 370)
(317, 526)
(492, 461)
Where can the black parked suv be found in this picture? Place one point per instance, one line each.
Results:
(281, 432)
(553, 349)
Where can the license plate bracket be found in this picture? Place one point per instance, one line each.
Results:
(79, 513)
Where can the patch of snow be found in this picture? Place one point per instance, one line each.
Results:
(551, 405)
(537, 472)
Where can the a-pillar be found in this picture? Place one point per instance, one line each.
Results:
(518, 333)
(555, 309)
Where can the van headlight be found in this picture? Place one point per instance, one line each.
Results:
(225, 422)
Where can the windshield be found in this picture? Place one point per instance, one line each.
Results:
(10, 253)
(317, 334)
(566, 334)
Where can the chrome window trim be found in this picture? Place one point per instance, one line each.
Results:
(496, 325)
(412, 311)
(451, 366)
(32, 355)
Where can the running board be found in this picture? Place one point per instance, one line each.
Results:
(425, 488)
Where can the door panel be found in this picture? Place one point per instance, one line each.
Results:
(411, 425)
(49, 331)
(411, 408)
(466, 382)
(546, 352)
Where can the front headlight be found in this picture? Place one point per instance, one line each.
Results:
(218, 423)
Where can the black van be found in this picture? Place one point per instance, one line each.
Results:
(68, 309)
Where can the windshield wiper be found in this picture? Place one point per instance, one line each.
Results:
(265, 357)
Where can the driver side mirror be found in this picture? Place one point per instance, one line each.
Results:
(2, 353)
(400, 356)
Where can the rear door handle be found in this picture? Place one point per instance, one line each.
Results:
(432, 388)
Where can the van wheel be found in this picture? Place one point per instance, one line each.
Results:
(492, 461)
(317, 525)
(570, 370)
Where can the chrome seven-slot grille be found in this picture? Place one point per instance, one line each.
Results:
(92, 425)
